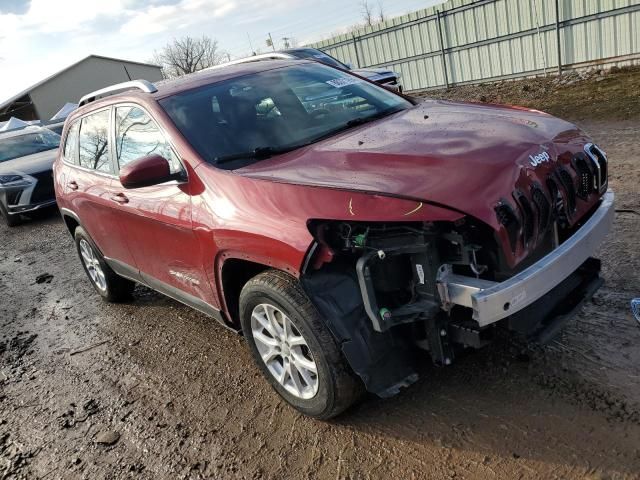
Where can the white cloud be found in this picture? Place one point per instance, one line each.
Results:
(176, 17)
(46, 16)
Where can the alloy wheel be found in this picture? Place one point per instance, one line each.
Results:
(284, 351)
(91, 262)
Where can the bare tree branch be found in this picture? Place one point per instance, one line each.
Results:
(187, 55)
(381, 15)
(367, 12)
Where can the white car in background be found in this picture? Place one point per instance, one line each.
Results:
(26, 177)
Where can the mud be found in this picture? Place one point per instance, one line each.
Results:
(154, 390)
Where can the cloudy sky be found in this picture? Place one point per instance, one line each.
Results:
(40, 37)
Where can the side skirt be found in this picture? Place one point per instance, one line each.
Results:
(133, 274)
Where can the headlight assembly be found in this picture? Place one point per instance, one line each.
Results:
(12, 180)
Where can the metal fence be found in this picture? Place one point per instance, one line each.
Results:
(471, 41)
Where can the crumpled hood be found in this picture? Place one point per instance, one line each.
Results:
(36, 163)
(463, 156)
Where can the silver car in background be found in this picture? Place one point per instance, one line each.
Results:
(381, 76)
(26, 177)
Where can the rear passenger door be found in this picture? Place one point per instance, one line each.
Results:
(88, 183)
(157, 218)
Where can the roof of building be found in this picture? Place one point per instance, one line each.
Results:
(64, 112)
(45, 80)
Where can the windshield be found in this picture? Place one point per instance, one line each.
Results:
(238, 121)
(28, 144)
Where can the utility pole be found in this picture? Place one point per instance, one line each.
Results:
(542, 49)
(270, 42)
(253, 52)
(355, 47)
(443, 54)
(558, 46)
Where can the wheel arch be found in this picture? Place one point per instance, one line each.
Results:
(234, 267)
(71, 220)
(234, 274)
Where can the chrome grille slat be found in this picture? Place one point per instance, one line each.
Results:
(528, 221)
(600, 162)
(585, 175)
(509, 220)
(570, 189)
(544, 209)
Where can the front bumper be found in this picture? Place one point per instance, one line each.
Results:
(34, 192)
(19, 209)
(493, 301)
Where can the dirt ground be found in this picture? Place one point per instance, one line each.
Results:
(588, 95)
(154, 390)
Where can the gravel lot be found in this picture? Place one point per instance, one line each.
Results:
(154, 390)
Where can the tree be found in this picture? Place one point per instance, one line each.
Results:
(381, 15)
(187, 55)
(367, 12)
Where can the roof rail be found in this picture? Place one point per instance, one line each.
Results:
(142, 85)
(254, 58)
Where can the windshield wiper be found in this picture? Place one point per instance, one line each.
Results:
(362, 120)
(354, 122)
(258, 153)
(262, 153)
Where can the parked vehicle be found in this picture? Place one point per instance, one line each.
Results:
(55, 126)
(341, 227)
(381, 76)
(26, 177)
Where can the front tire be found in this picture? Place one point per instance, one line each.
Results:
(111, 287)
(293, 347)
(9, 220)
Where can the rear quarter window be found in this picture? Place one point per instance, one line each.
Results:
(70, 151)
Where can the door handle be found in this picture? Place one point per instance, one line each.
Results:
(120, 198)
(73, 185)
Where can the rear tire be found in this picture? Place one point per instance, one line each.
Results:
(111, 287)
(294, 349)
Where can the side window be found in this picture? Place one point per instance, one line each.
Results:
(137, 135)
(94, 142)
(70, 152)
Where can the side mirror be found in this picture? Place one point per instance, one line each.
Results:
(146, 171)
(348, 65)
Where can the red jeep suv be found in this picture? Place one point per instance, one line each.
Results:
(339, 226)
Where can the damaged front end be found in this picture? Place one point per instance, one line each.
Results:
(376, 285)
(390, 289)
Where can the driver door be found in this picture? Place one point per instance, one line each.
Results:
(157, 219)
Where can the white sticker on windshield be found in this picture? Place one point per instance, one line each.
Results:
(343, 82)
(420, 272)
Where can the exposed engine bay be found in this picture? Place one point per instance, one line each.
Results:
(397, 264)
